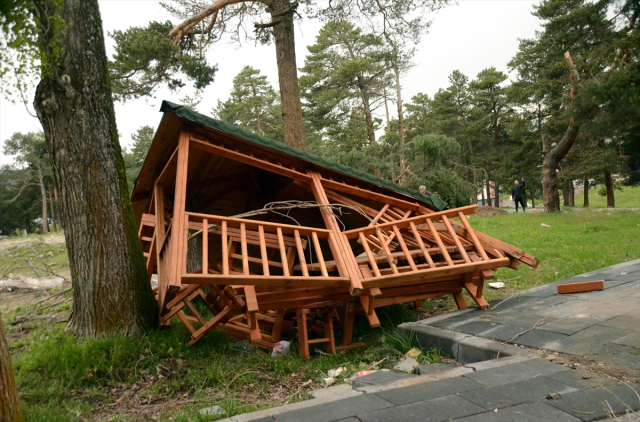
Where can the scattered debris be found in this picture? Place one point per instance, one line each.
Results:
(414, 353)
(213, 411)
(545, 225)
(281, 348)
(497, 285)
(584, 286)
(406, 365)
(553, 396)
(327, 382)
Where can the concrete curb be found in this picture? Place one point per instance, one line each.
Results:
(463, 348)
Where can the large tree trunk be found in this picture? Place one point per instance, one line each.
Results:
(283, 34)
(552, 157)
(43, 194)
(611, 200)
(53, 214)
(386, 108)
(496, 202)
(366, 104)
(568, 194)
(586, 192)
(10, 410)
(111, 290)
(488, 187)
(400, 110)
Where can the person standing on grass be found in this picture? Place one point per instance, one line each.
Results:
(516, 194)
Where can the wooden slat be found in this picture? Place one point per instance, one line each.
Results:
(584, 286)
(473, 236)
(211, 324)
(205, 246)
(380, 214)
(303, 261)
(387, 252)
(283, 253)
(363, 193)
(404, 223)
(404, 248)
(243, 248)
(254, 224)
(251, 299)
(316, 244)
(425, 253)
(225, 250)
(367, 250)
(456, 239)
(263, 252)
(438, 240)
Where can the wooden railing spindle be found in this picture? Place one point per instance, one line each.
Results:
(205, 246)
(263, 251)
(303, 261)
(243, 249)
(446, 222)
(403, 245)
(367, 250)
(438, 240)
(225, 250)
(473, 236)
(316, 244)
(425, 253)
(283, 253)
(387, 252)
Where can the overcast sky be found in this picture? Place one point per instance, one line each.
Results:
(470, 36)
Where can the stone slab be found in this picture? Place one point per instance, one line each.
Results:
(629, 321)
(589, 339)
(476, 327)
(334, 390)
(592, 404)
(340, 409)
(515, 372)
(617, 354)
(632, 339)
(478, 349)
(435, 410)
(516, 393)
(539, 339)
(429, 390)
(428, 369)
(528, 412)
(569, 325)
(378, 378)
(406, 366)
(496, 363)
(576, 378)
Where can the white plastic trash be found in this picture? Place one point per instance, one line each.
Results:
(327, 382)
(281, 348)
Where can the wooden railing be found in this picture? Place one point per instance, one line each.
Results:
(275, 251)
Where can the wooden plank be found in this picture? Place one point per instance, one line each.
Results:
(404, 223)
(303, 261)
(277, 326)
(303, 335)
(186, 322)
(367, 251)
(243, 249)
(474, 238)
(263, 252)
(327, 320)
(438, 240)
(421, 245)
(316, 244)
(380, 214)
(254, 328)
(584, 286)
(211, 324)
(349, 319)
(403, 245)
(455, 238)
(225, 250)
(252, 161)
(205, 246)
(363, 193)
(475, 294)
(251, 299)
(258, 280)
(177, 240)
(283, 253)
(387, 252)
(460, 302)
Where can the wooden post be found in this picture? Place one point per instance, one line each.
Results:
(177, 240)
(343, 248)
(160, 235)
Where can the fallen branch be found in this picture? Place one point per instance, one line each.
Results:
(540, 321)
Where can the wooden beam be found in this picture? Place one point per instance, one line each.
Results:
(177, 240)
(585, 286)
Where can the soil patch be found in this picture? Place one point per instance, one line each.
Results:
(489, 211)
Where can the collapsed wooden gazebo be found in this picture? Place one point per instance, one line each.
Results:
(267, 238)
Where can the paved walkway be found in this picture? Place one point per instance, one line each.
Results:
(501, 380)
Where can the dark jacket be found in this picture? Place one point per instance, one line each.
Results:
(516, 191)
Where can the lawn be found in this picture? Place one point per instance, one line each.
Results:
(628, 197)
(159, 377)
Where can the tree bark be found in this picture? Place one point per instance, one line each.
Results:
(10, 410)
(568, 194)
(496, 202)
(386, 108)
(488, 184)
(483, 198)
(552, 157)
(283, 34)
(586, 192)
(53, 214)
(611, 200)
(111, 289)
(364, 92)
(400, 110)
(43, 193)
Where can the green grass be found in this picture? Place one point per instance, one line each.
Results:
(628, 197)
(64, 379)
(40, 249)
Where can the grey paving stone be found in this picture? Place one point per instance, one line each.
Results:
(589, 340)
(378, 378)
(542, 291)
(576, 378)
(617, 354)
(515, 372)
(336, 410)
(351, 419)
(629, 321)
(516, 393)
(539, 339)
(429, 390)
(507, 330)
(592, 404)
(427, 369)
(435, 410)
(569, 325)
(632, 339)
(517, 301)
(630, 276)
(476, 349)
(475, 327)
(528, 412)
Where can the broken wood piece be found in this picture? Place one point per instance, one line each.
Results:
(584, 286)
